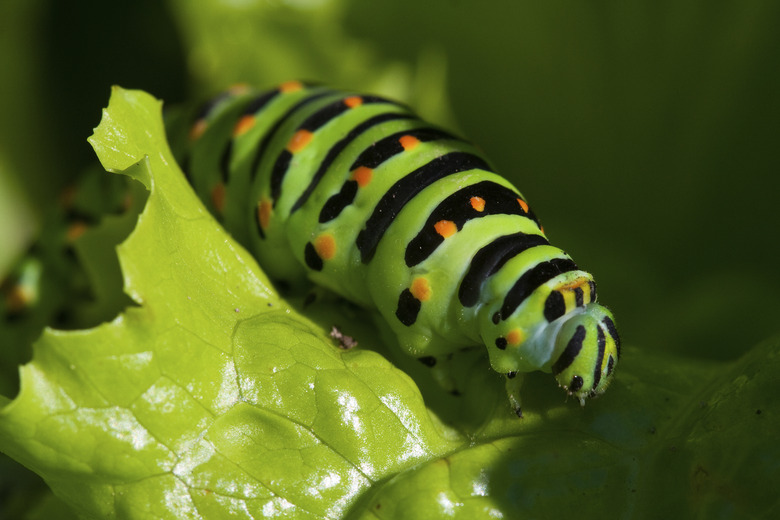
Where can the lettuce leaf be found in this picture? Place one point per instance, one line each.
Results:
(212, 394)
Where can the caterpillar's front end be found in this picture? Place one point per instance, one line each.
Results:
(549, 320)
(587, 347)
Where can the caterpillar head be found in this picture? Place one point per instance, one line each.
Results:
(586, 349)
(580, 348)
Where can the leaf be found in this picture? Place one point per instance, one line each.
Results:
(213, 395)
(17, 221)
(685, 441)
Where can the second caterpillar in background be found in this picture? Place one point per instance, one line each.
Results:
(358, 195)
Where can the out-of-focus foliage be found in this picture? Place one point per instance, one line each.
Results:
(642, 133)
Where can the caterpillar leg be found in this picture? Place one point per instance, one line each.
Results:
(514, 382)
(441, 370)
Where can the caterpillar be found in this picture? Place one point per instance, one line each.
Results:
(356, 194)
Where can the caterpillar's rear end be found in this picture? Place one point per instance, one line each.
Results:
(356, 194)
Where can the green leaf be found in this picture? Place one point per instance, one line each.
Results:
(213, 394)
(17, 220)
(679, 440)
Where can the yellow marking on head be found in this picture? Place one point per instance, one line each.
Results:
(523, 205)
(354, 101)
(75, 230)
(244, 125)
(264, 208)
(218, 197)
(588, 294)
(198, 129)
(421, 289)
(515, 337)
(362, 175)
(408, 142)
(569, 300)
(290, 86)
(445, 228)
(325, 245)
(299, 141)
(478, 203)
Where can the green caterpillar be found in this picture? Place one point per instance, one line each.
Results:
(358, 195)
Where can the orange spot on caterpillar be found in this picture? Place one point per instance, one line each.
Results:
(354, 101)
(408, 142)
(325, 245)
(243, 125)
(515, 337)
(573, 285)
(290, 86)
(445, 228)
(75, 230)
(264, 208)
(197, 129)
(420, 289)
(362, 175)
(218, 197)
(478, 203)
(523, 205)
(299, 141)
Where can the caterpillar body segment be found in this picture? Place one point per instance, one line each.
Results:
(356, 194)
